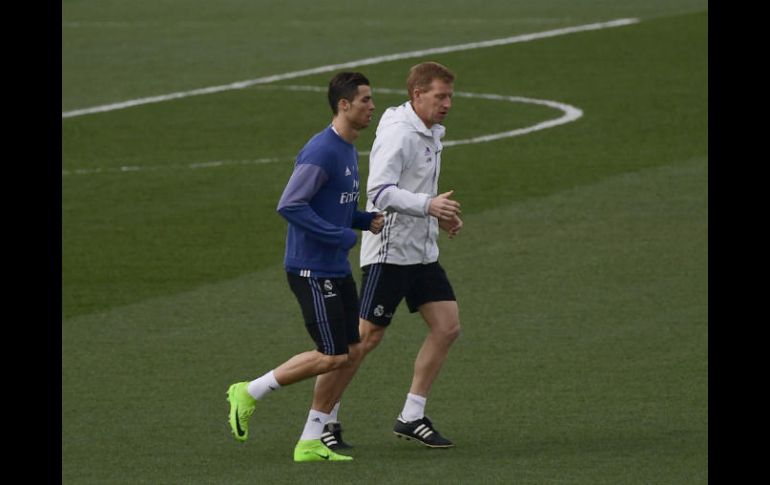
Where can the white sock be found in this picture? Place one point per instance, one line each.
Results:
(414, 407)
(333, 415)
(259, 388)
(314, 426)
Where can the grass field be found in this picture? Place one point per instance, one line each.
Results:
(581, 273)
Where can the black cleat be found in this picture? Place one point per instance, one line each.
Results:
(423, 431)
(332, 437)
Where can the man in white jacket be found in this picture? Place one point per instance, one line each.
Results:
(402, 260)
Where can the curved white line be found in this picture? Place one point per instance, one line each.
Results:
(571, 113)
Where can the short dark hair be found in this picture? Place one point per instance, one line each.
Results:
(345, 86)
(423, 74)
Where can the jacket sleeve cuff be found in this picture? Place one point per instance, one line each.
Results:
(426, 206)
(363, 220)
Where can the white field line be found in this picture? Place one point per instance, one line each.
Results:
(147, 168)
(345, 65)
(570, 113)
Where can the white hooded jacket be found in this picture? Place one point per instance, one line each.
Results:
(404, 167)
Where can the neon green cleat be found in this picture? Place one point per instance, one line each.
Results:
(314, 450)
(242, 406)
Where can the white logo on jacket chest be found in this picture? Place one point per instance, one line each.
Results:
(348, 197)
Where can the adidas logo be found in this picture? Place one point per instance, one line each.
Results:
(347, 171)
(423, 431)
(328, 439)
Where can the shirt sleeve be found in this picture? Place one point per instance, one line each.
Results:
(387, 161)
(294, 206)
(362, 220)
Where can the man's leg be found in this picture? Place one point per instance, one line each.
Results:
(243, 396)
(443, 320)
(382, 290)
(308, 364)
(329, 387)
(316, 442)
(326, 325)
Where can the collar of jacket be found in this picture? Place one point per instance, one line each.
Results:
(436, 131)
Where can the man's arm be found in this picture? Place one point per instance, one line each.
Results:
(389, 155)
(371, 221)
(294, 206)
(386, 162)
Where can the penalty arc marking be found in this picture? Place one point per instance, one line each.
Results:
(569, 114)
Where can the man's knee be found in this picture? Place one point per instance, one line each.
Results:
(447, 330)
(371, 335)
(355, 353)
(328, 363)
(451, 331)
(443, 318)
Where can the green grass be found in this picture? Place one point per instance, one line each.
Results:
(114, 50)
(581, 272)
(582, 358)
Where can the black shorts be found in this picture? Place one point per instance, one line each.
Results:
(384, 285)
(330, 309)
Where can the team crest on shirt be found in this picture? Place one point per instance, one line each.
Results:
(378, 311)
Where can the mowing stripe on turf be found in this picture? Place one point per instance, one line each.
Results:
(360, 62)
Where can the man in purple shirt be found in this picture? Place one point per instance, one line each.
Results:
(320, 203)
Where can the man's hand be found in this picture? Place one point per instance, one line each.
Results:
(452, 226)
(443, 207)
(377, 222)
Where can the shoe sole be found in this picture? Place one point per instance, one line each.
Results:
(321, 460)
(409, 438)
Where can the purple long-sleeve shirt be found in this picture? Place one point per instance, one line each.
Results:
(320, 202)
